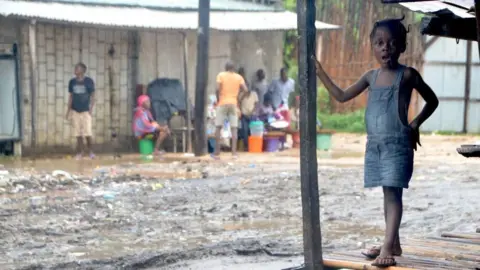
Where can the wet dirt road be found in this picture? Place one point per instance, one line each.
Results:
(202, 214)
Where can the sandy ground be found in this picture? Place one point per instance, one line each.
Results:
(191, 213)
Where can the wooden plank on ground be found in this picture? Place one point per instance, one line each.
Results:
(358, 265)
(456, 240)
(408, 261)
(456, 251)
(461, 235)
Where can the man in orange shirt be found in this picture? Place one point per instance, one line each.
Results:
(229, 84)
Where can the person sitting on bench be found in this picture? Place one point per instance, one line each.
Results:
(144, 125)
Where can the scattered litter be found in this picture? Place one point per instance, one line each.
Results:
(246, 181)
(3, 181)
(77, 254)
(157, 186)
(37, 200)
(109, 196)
(61, 174)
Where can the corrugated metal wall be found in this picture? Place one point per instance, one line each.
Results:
(445, 71)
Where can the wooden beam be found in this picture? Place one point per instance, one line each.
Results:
(338, 264)
(203, 34)
(468, 72)
(477, 15)
(32, 43)
(452, 28)
(430, 42)
(187, 94)
(312, 237)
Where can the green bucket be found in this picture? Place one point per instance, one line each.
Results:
(145, 146)
(324, 141)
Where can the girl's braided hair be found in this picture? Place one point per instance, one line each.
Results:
(396, 28)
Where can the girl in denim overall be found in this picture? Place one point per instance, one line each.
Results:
(391, 140)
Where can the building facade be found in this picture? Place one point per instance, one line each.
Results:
(118, 58)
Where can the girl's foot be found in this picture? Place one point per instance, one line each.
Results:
(215, 157)
(383, 262)
(79, 156)
(92, 155)
(374, 252)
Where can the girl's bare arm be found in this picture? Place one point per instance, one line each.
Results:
(339, 94)
(431, 100)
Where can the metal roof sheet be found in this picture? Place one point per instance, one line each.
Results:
(453, 8)
(224, 5)
(148, 18)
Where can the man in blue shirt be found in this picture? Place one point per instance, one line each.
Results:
(80, 105)
(281, 88)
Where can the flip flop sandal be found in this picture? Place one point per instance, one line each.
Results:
(374, 252)
(215, 157)
(384, 262)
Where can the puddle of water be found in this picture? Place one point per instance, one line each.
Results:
(72, 165)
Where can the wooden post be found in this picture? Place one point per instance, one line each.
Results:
(312, 239)
(32, 42)
(201, 76)
(477, 14)
(468, 72)
(187, 94)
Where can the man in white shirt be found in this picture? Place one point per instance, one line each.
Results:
(281, 89)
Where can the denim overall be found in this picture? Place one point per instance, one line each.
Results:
(388, 154)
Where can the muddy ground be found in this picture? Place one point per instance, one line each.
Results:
(189, 213)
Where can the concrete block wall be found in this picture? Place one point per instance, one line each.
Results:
(255, 50)
(161, 55)
(59, 48)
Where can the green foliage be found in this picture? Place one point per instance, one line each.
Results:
(323, 101)
(353, 122)
(290, 5)
(418, 17)
(348, 122)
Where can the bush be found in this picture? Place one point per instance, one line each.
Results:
(348, 122)
(353, 122)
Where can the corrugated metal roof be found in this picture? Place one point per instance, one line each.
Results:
(148, 18)
(219, 5)
(442, 8)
